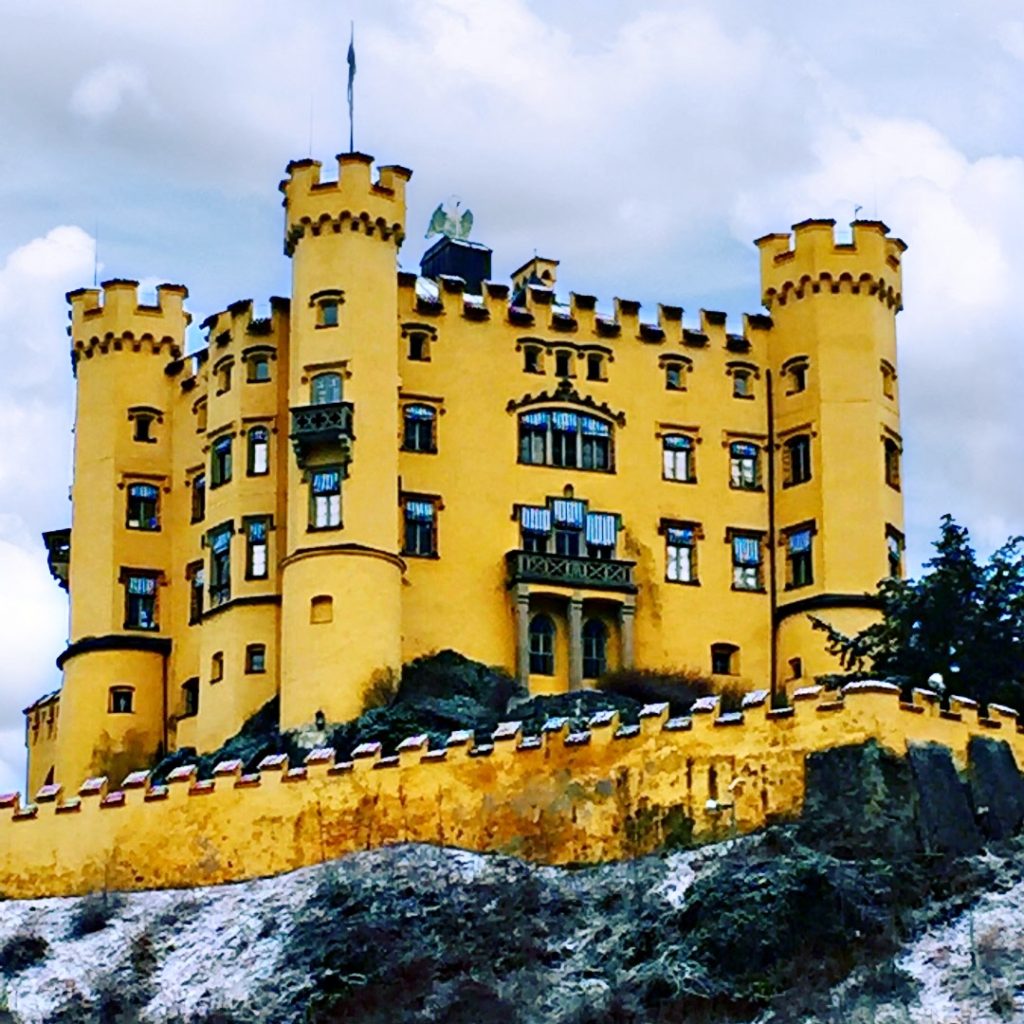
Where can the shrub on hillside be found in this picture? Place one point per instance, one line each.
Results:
(679, 688)
(93, 913)
(22, 950)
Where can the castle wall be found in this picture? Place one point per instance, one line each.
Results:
(603, 794)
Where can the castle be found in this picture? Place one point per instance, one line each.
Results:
(393, 463)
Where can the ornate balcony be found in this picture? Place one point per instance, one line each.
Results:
(570, 571)
(322, 426)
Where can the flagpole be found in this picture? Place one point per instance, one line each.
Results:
(351, 87)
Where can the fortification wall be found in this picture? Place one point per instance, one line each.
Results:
(609, 792)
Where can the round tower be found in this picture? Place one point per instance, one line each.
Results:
(837, 498)
(113, 698)
(342, 573)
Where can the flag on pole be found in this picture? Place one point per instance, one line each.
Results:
(351, 84)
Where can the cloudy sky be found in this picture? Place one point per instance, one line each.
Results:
(644, 144)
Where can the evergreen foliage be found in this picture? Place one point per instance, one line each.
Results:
(962, 618)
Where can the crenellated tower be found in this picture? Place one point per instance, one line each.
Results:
(120, 571)
(342, 574)
(832, 354)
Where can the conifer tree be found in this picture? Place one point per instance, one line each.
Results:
(961, 618)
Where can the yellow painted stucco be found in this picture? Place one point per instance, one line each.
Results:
(342, 604)
(603, 794)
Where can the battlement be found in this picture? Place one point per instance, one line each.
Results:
(237, 324)
(811, 261)
(556, 797)
(536, 308)
(353, 201)
(112, 317)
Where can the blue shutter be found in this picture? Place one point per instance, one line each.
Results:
(535, 520)
(679, 536)
(419, 511)
(418, 412)
(800, 541)
(569, 513)
(258, 531)
(567, 422)
(535, 419)
(746, 550)
(220, 540)
(595, 428)
(742, 450)
(327, 483)
(677, 443)
(141, 585)
(601, 529)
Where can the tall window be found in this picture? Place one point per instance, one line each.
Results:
(325, 388)
(327, 313)
(888, 379)
(677, 458)
(796, 460)
(894, 550)
(674, 376)
(796, 373)
(198, 498)
(217, 667)
(143, 507)
(892, 463)
(190, 698)
(223, 375)
(746, 561)
(532, 360)
(743, 468)
(800, 564)
(220, 565)
(420, 528)
(140, 600)
(595, 366)
(595, 649)
(565, 439)
(418, 433)
(196, 581)
(563, 363)
(680, 555)
(259, 451)
(325, 498)
(259, 368)
(542, 646)
(121, 700)
(220, 462)
(143, 428)
(256, 549)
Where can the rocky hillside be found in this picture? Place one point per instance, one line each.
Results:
(881, 904)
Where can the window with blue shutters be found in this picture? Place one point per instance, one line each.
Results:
(677, 458)
(799, 556)
(566, 439)
(746, 561)
(744, 473)
(256, 548)
(418, 433)
(143, 511)
(219, 541)
(259, 451)
(535, 528)
(420, 534)
(140, 588)
(220, 462)
(680, 552)
(325, 498)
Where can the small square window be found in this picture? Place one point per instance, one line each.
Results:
(419, 347)
(674, 377)
(122, 700)
(724, 659)
(532, 360)
(259, 369)
(255, 658)
(143, 428)
(327, 313)
(741, 384)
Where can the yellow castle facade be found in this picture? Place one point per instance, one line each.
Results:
(394, 463)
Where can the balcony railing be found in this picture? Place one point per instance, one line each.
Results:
(321, 426)
(570, 571)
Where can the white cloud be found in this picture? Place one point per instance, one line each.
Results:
(103, 91)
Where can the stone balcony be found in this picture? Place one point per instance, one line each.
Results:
(326, 426)
(571, 571)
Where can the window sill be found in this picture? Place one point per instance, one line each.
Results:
(786, 484)
(430, 556)
(748, 590)
(324, 529)
(260, 380)
(326, 327)
(255, 671)
(683, 583)
(214, 487)
(144, 440)
(251, 473)
(577, 469)
(113, 712)
(745, 398)
(419, 451)
(142, 629)
(142, 529)
(751, 490)
(798, 586)
(680, 480)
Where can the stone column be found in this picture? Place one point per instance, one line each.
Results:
(523, 634)
(576, 641)
(627, 612)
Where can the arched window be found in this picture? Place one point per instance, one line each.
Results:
(567, 439)
(595, 649)
(418, 429)
(190, 697)
(325, 388)
(725, 659)
(542, 646)
(321, 609)
(259, 451)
